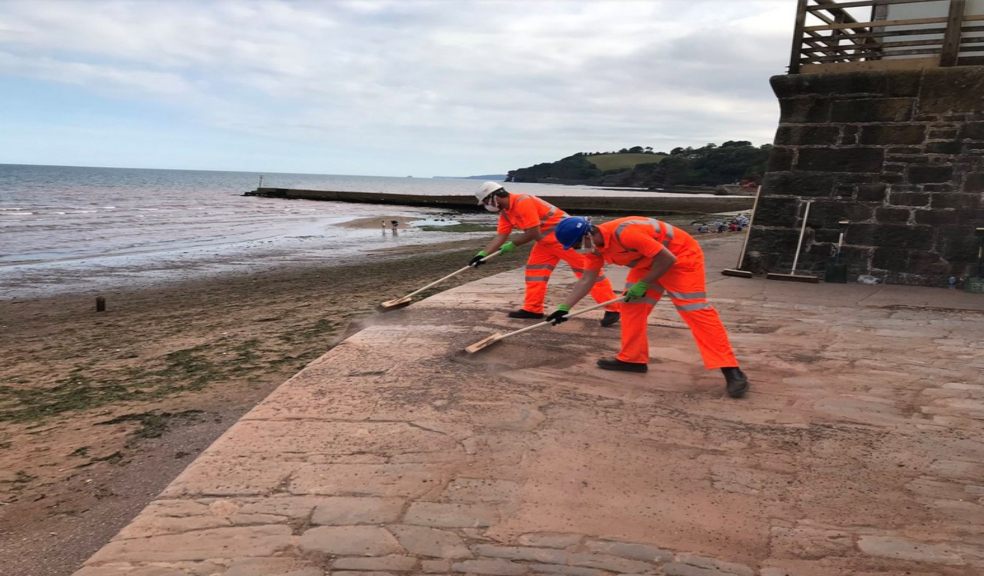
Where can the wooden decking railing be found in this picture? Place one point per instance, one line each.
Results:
(834, 31)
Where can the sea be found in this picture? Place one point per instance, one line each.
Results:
(67, 229)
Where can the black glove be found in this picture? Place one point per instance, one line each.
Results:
(478, 260)
(557, 316)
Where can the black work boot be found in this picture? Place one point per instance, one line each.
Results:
(736, 381)
(523, 313)
(610, 319)
(616, 364)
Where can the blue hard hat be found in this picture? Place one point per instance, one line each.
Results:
(571, 229)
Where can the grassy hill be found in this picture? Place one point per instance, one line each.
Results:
(625, 161)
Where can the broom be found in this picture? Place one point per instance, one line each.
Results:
(737, 271)
(406, 300)
(793, 276)
(486, 342)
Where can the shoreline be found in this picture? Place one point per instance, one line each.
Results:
(111, 272)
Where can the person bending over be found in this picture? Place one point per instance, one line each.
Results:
(662, 258)
(537, 219)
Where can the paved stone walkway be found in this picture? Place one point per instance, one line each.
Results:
(859, 450)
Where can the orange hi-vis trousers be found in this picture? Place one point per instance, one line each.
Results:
(684, 283)
(540, 265)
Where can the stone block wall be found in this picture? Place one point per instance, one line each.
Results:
(900, 154)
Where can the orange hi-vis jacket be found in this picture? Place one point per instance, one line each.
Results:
(526, 211)
(634, 241)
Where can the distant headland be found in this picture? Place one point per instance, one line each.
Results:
(733, 163)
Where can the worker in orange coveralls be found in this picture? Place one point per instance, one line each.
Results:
(662, 258)
(537, 219)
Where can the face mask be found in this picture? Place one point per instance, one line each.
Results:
(587, 244)
(491, 205)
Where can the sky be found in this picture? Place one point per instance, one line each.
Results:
(384, 88)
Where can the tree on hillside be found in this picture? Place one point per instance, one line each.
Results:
(571, 169)
(709, 165)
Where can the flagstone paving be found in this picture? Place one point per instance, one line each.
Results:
(859, 449)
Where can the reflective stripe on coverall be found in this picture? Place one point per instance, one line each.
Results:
(633, 241)
(546, 252)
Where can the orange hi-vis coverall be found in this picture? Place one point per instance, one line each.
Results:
(526, 211)
(634, 241)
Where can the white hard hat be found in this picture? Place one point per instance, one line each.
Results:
(487, 189)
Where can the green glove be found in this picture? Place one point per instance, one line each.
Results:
(507, 247)
(478, 260)
(636, 292)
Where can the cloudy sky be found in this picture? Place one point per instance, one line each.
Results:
(393, 88)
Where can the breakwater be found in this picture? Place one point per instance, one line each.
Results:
(631, 203)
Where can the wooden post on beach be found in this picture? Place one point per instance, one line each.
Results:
(100, 304)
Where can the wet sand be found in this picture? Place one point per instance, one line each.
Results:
(100, 411)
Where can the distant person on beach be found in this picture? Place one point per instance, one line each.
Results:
(537, 219)
(662, 258)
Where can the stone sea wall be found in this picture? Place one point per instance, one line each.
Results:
(899, 154)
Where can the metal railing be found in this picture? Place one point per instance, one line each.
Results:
(831, 32)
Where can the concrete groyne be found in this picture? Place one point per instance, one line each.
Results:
(634, 203)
